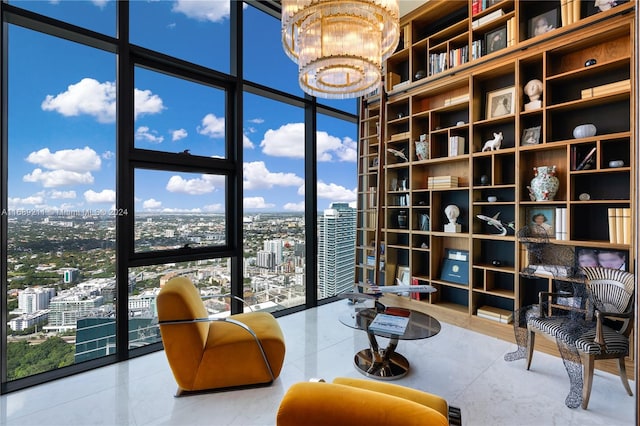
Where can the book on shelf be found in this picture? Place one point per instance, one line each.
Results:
(606, 89)
(487, 18)
(456, 100)
(619, 226)
(611, 216)
(456, 146)
(496, 314)
(561, 223)
(564, 13)
(391, 324)
(626, 225)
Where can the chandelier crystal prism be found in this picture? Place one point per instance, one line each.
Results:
(340, 45)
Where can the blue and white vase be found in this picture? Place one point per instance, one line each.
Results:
(545, 184)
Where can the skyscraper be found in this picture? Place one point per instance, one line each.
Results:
(336, 249)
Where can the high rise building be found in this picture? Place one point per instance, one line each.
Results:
(336, 249)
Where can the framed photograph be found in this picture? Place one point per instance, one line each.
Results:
(530, 136)
(495, 40)
(604, 258)
(542, 220)
(501, 102)
(403, 275)
(543, 23)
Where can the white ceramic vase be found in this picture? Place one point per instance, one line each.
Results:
(545, 184)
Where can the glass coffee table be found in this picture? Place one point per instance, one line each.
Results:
(385, 363)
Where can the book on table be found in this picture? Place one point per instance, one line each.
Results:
(392, 324)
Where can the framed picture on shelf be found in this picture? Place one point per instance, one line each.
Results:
(604, 258)
(530, 136)
(495, 40)
(543, 23)
(501, 102)
(403, 275)
(542, 220)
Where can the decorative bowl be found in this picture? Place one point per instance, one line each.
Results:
(584, 131)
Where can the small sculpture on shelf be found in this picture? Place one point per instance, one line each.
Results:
(400, 154)
(497, 223)
(533, 89)
(604, 5)
(493, 144)
(452, 211)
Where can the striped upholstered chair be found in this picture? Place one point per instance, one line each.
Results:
(610, 296)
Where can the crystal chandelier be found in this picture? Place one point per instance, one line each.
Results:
(339, 45)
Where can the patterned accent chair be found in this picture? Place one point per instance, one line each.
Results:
(603, 330)
(216, 353)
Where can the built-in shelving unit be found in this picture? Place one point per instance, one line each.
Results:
(455, 104)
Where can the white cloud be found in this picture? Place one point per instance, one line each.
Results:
(214, 11)
(213, 208)
(96, 99)
(294, 207)
(212, 126)
(256, 203)
(256, 120)
(335, 192)
(288, 141)
(104, 196)
(257, 176)
(198, 186)
(246, 142)
(145, 102)
(62, 194)
(108, 155)
(57, 178)
(145, 134)
(26, 201)
(174, 210)
(76, 160)
(151, 204)
(176, 135)
(100, 3)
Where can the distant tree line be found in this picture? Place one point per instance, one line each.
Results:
(25, 359)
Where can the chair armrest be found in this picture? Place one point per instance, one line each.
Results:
(599, 339)
(230, 321)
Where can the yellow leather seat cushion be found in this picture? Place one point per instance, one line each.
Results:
(312, 403)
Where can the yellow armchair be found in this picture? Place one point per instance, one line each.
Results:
(354, 402)
(216, 353)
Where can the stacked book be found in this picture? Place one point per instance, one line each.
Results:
(619, 225)
(476, 49)
(511, 31)
(442, 182)
(458, 56)
(487, 18)
(495, 314)
(400, 136)
(437, 63)
(606, 89)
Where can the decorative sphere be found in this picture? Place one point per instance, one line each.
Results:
(590, 62)
(420, 74)
(484, 180)
(584, 131)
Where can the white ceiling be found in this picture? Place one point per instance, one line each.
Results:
(407, 6)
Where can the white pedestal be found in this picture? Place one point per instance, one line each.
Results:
(532, 105)
(452, 227)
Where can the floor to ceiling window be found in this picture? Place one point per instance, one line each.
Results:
(177, 151)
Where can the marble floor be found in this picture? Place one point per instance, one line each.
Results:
(464, 367)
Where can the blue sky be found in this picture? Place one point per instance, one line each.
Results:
(62, 114)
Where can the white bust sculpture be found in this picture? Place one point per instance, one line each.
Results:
(452, 211)
(533, 89)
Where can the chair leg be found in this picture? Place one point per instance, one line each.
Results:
(622, 369)
(588, 361)
(531, 341)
